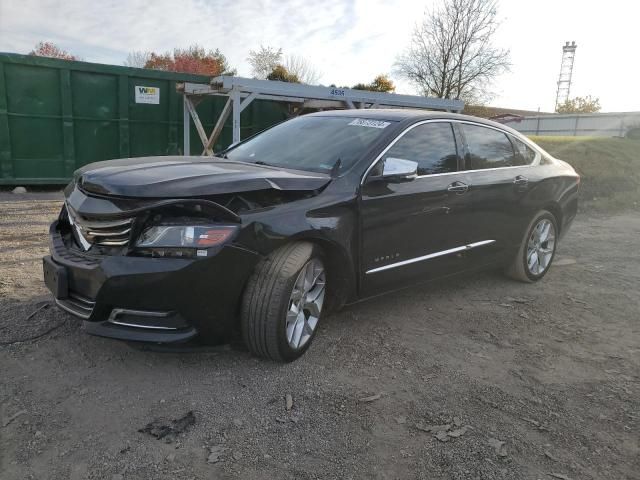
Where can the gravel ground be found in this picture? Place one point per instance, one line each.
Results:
(473, 378)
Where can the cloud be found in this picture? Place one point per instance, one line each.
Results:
(350, 41)
(346, 40)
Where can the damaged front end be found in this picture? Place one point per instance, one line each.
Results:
(158, 228)
(173, 228)
(156, 269)
(159, 271)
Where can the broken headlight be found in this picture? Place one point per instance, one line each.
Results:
(184, 240)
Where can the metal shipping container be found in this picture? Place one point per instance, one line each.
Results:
(57, 115)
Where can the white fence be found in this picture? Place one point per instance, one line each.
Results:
(590, 124)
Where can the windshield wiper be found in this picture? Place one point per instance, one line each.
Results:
(260, 162)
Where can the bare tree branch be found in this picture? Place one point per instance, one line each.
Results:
(451, 54)
(301, 68)
(137, 59)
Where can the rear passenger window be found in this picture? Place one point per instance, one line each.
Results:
(525, 155)
(431, 145)
(488, 148)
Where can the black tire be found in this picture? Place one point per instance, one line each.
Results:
(519, 269)
(266, 301)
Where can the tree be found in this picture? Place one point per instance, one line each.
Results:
(264, 61)
(451, 54)
(194, 59)
(381, 83)
(580, 105)
(301, 68)
(51, 50)
(137, 59)
(281, 74)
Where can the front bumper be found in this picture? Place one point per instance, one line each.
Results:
(150, 299)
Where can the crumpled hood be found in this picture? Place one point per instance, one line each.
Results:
(183, 177)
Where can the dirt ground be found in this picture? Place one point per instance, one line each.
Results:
(473, 378)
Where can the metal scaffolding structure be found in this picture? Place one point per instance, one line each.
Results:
(242, 91)
(566, 70)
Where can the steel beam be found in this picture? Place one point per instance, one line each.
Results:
(235, 98)
(198, 124)
(217, 130)
(250, 98)
(225, 84)
(186, 127)
(243, 91)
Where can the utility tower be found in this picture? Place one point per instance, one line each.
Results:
(566, 69)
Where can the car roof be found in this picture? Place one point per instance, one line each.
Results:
(408, 115)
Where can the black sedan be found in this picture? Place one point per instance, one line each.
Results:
(321, 210)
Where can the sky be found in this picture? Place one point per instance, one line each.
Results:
(349, 41)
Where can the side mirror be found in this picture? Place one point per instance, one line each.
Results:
(397, 170)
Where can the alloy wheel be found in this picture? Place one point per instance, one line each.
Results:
(541, 246)
(305, 304)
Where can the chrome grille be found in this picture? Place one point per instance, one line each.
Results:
(109, 233)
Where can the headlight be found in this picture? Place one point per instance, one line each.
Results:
(184, 238)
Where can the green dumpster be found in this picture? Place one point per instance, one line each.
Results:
(57, 115)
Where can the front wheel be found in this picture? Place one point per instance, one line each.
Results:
(283, 302)
(537, 249)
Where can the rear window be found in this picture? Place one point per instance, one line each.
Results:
(320, 144)
(525, 155)
(488, 148)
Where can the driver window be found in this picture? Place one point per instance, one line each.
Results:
(431, 145)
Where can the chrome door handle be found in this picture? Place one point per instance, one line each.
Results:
(458, 187)
(520, 180)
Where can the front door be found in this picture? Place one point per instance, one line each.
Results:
(414, 229)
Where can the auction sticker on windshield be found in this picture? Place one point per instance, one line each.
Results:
(362, 122)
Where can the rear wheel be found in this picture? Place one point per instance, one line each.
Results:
(537, 249)
(282, 304)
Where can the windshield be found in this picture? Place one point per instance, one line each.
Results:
(319, 144)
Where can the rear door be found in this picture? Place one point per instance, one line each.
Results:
(411, 229)
(498, 177)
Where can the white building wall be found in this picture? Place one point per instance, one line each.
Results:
(591, 124)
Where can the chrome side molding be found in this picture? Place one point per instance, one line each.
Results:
(430, 256)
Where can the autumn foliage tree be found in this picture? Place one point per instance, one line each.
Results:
(381, 83)
(580, 105)
(51, 50)
(268, 61)
(194, 59)
(281, 74)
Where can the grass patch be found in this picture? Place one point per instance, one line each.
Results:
(609, 169)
